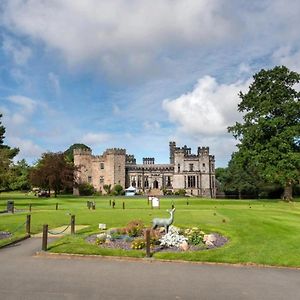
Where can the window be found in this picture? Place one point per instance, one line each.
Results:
(89, 179)
(146, 183)
(191, 181)
(169, 181)
(203, 165)
(101, 179)
(178, 168)
(191, 167)
(101, 166)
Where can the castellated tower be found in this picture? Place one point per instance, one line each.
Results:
(172, 147)
(105, 169)
(83, 163)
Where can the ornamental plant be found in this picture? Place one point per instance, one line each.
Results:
(194, 235)
(172, 238)
(138, 244)
(135, 228)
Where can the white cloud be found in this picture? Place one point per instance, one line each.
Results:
(27, 104)
(118, 35)
(19, 52)
(286, 56)
(28, 148)
(151, 125)
(92, 139)
(54, 81)
(207, 110)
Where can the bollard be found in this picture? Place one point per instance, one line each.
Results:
(72, 224)
(56, 207)
(28, 221)
(113, 204)
(109, 202)
(148, 254)
(30, 207)
(45, 237)
(123, 205)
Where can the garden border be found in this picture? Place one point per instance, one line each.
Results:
(43, 254)
(16, 241)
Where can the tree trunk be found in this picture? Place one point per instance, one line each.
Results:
(288, 191)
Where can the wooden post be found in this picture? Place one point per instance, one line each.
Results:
(72, 224)
(45, 237)
(123, 205)
(148, 254)
(187, 202)
(113, 204)
(109, 202)
(28, 221)
(30, 207)
(56, 206)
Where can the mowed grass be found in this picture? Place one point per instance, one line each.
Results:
(259, 231)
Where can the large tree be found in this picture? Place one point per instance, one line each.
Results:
(270, 132)
(19, 176)
(53, 172)
(6, 155)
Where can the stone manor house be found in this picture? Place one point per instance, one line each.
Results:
(193, 172)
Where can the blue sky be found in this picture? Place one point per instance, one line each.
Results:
(135, 74)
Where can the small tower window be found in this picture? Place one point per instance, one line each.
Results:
(101, 166)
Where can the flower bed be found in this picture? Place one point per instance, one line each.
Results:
(176, 240)
(5, 235)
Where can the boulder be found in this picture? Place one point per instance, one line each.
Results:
(184, 246)
(102, 236)
(209, 239)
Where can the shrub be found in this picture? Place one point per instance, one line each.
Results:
(194, 235)
(180, 192)
(86, 189)
(135, 228)
(138, 244)
(118, 190)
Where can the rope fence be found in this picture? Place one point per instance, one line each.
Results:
(18, 227)
(60, 232)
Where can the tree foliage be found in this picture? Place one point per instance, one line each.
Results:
(53, 172)
(6, 155)
(19, 176)
(118, 190)
(270, 132)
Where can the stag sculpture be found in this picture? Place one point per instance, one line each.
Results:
(157, 222)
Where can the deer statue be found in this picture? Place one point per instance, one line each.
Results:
(157, 222)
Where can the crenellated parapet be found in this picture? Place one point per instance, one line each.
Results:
(115, 151)
(130, 159)
(203, 151)
(82, 151)
(148, 160)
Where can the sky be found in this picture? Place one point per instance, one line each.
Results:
(136, 74)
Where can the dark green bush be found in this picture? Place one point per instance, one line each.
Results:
(86, 189)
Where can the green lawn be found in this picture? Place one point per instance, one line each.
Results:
(261, 232)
